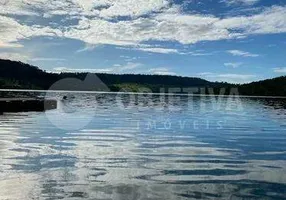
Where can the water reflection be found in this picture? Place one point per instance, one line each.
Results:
(117, 155)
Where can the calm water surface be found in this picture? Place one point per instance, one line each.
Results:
(119, 147)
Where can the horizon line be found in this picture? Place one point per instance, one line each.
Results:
(140, 93)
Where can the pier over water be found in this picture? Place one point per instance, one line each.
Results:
(26, 105)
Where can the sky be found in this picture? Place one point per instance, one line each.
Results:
(236, 41)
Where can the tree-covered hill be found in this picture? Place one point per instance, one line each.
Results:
(270, 87)
(17, 75)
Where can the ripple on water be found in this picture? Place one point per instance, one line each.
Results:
(115, 157)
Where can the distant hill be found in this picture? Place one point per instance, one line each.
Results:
(18, 75)
(270, 87)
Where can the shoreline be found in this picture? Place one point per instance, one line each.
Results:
(140, 93)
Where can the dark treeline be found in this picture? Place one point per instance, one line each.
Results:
(17, 75)
(270, 87)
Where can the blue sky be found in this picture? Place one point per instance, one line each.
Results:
(220, 40)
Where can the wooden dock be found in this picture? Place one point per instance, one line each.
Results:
(12, 105)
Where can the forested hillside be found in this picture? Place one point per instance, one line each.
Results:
(270, 87)
(17, 75)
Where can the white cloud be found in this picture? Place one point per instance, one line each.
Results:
(129, 67)
(271, 20)
(230, 78)
(200, 54)
(98, 8)
(245, 2)
(281, 70)
(128, 58)
(117, 68)
(88, 47)
(166, 22)
(169, 51)
(132, 8)
(160, 71)
(14, 56)
(159, 50)
(10, 45)
(14, 7)
(26, 57)
(242, 53)
(233, 65)
(46, 59)
(66, 69)
(12, 31)
(155, 49)
(186, 29)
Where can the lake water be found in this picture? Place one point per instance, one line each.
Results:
(126, 147)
